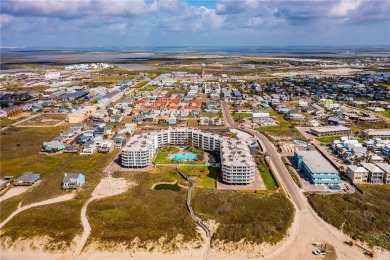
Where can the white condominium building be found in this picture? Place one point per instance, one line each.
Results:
(237, 164)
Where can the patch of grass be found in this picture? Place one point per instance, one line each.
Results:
(284, 131)
(163, 153)
(59, 221)
(141, 212)
(141, 84)
(147, 88)
(363, 217)
(89, 165)
(266, 174)
(328, 139)
(206, 114)
(292, 173)
(207, 176)
(8, 206)
(238, 116)
(44, 119)
(9, 121)
(170, 173)
(15, 160)
(255, 217)
(29, 140)
(385, 114)
(196, 151)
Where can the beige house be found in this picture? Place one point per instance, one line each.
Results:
(357, 174)
(385, 167)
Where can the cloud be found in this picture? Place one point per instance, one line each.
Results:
(188, 20)
(70, 9)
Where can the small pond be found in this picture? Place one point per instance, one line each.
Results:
(167, 186)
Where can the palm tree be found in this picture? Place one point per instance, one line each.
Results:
(387, 159)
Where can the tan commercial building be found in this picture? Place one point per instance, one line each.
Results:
(377, 133)
(330, 130)
(80, 115)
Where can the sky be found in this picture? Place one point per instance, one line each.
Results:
(102, 23)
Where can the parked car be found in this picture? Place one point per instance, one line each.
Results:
(319, 252)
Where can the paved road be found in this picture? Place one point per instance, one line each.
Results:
(307, 227)
(276, 163)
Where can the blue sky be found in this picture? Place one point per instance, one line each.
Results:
(85, 23)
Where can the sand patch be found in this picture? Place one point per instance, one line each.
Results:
(14, 191)
(110, 187)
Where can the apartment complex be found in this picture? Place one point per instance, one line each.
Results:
(317, 168)
(377, 133)
(237, 164)
(330, 130)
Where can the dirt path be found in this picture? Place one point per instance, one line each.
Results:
(46, 202)
(107, 187)
(86, 228)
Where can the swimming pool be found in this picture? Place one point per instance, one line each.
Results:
(299, 142)
(182, 157)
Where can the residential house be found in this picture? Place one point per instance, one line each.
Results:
(116, 119)
(385, 167)
(119, 141)
(357, 174)
(6, 181)
(10, 111)
(27, 179)
(73, 181)
(106, 146)
(89, 147)
(53, 146)
(375, 174)
(171, 120)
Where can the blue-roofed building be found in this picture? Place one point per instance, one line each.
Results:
(319, 170)
(236, 92)
(27, 179)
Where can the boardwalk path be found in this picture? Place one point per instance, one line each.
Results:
(195, 218)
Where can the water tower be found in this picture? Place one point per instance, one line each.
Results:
(203, 66)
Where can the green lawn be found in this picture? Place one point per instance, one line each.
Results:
(205, 114)
(363, 217)
(196, 151)
(328, 139)
(207, 176)
(238, 116)
(6, 121)
(147, 88)
(141, 84)
(266, 175)
(384, 113)
(257, 218)
(162, 154)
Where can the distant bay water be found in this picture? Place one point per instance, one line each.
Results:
(122, 55)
